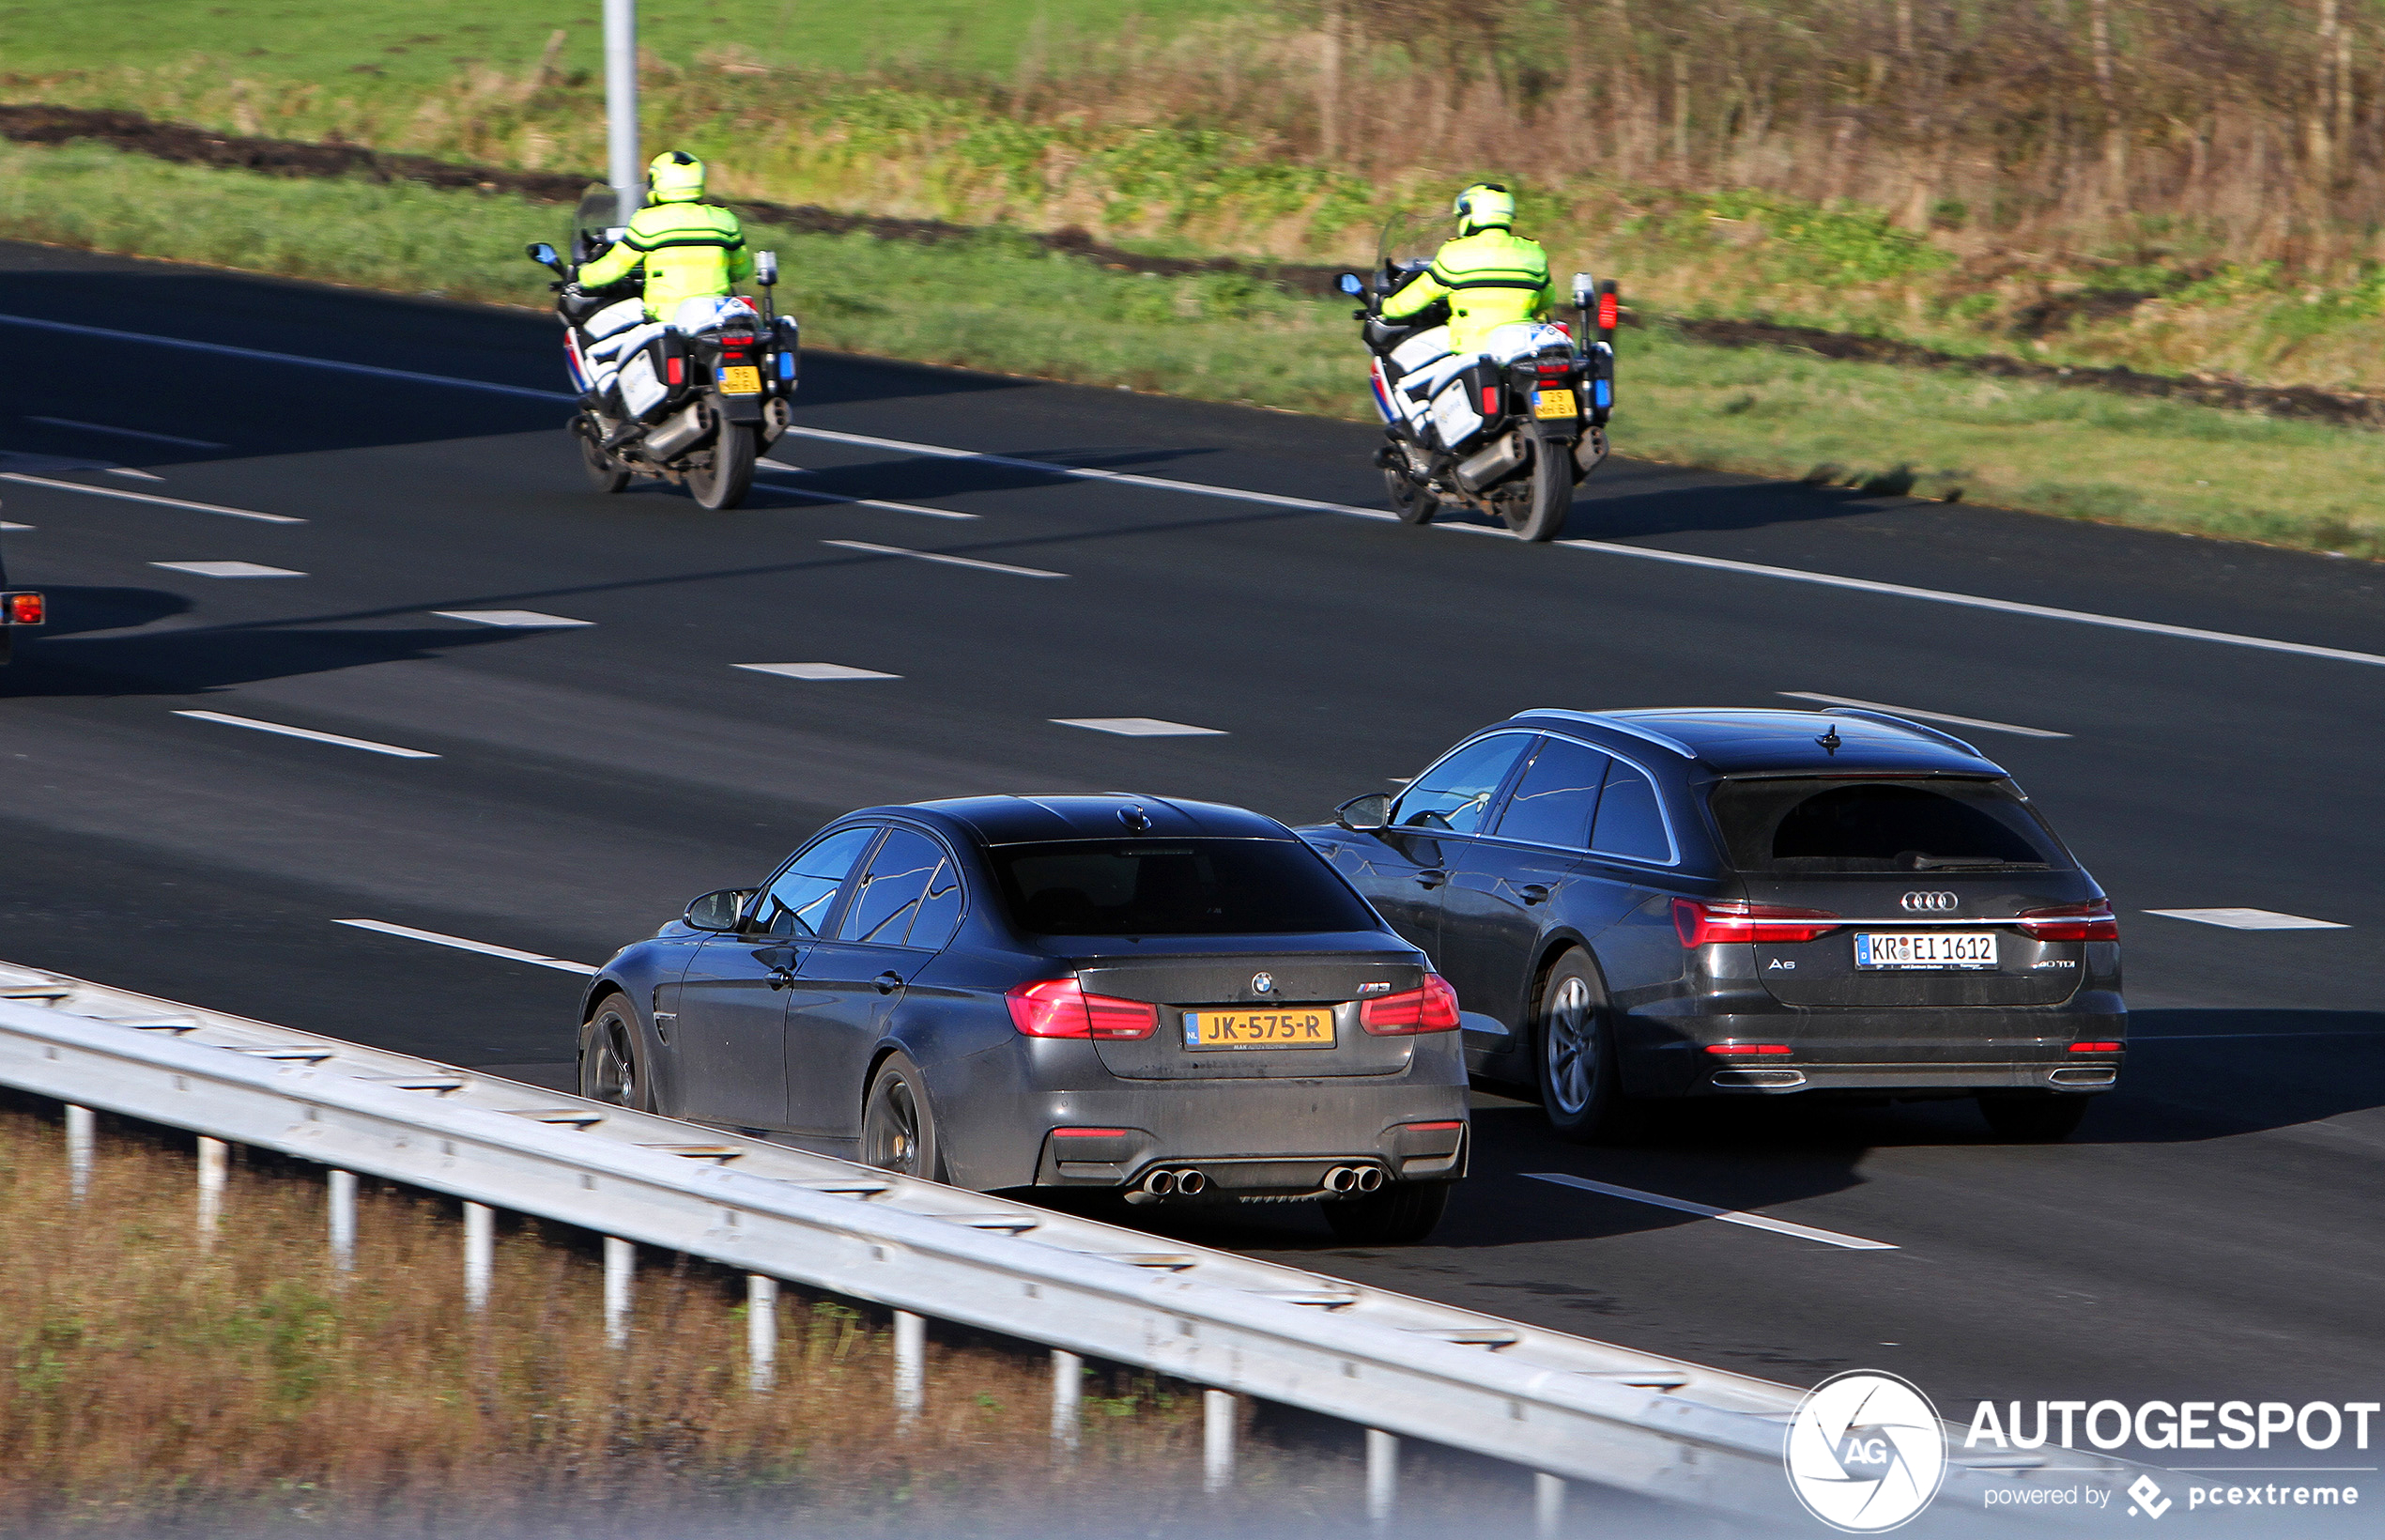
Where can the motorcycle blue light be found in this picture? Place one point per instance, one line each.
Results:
(1605, 394)
(786, 365)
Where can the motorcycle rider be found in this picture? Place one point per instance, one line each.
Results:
(1491, 276)
(692, 251)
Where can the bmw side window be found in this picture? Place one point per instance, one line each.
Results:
(1454, 797)
(939, 912)
(1631, 821)
(888, 899)
(1553, 803)
(798, 902)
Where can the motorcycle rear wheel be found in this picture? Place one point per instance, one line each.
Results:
(1414, 504)
(1540, 517)
(725, 482)
(605, 473)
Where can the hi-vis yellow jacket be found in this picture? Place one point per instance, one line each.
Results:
(1490, 278)
(690, 250)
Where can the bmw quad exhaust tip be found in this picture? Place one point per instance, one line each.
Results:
(1369, 1178)
(1344, 1180)
(1190, 1184)
(1167, 1183)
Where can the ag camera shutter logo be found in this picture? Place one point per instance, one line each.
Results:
(1866, 1452)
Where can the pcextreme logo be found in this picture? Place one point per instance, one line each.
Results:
(1866, 1452)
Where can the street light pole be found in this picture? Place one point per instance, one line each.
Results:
(621, 105)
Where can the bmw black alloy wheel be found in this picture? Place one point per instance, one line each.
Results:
(898, 1127)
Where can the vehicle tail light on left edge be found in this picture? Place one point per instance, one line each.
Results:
(1059, 1007)
(25, 610)
(1431, 1009)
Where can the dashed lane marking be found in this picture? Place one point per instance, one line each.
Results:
(1981, 722)
(1707, 1211)
(5, 525)
(871, 502)
(523, 620)
(57, 486)
(309, 733)
(227, 569)
(813, 670)
(1141, 726)
(126, 433)
(941, 557)
(128, 471)
(462, 945)
(2249, 919)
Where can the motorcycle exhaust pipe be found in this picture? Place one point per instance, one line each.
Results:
(1486, 466)
(1340, 1179)
(1369, 1178)
(1190, 1184)
(676, 432)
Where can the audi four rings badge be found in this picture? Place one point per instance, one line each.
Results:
(1929, 904)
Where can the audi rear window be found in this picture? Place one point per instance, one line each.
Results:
(1175, 887)
(1822, 823)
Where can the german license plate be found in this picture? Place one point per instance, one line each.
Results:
(741, 379)
(1554, 404)
(1309, 1028)
(1926, 949)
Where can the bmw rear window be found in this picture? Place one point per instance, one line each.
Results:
(1175, 887)
(1819, 824)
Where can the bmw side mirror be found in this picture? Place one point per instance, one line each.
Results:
(765, 267)
(1584, 288)
(1351, 285)
(544, 254)
(718, 910)
(1365, 814)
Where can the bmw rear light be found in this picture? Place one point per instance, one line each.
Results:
(1610, 311)
(1704, 924)
(2095, 1048)
(2074, 922)
(1059, 1007)
(25, 610)
(1490, 401)
(675, 371)
(1431, 1009)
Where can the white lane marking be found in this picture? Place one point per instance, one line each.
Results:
(522, 619)
(461, 945)
(873, 503)
(948, 560)
(5, 525)
(1973, 601)
(813, 670)
(227, 350)
(2249, 919)
(308, 734)
(128, 471)
(783, 466)
(57, 486)
(1925, 716)
(126, 433)
(227, 569)
(1141, 726)
(1200, 490)
(1707, 1211)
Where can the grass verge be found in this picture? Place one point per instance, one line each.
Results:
(1006, 305)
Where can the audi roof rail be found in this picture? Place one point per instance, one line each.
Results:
(1601, 720)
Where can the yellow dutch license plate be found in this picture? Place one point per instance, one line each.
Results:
(1302, 1028)
(1554, 404)
(741, 379)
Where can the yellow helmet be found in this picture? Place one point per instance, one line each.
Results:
(1484, 205)
(675, 177)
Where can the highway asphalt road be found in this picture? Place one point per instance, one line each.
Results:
(2213, 1232)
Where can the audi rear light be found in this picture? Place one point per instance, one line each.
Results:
(1704, 924)
(2095, 1048)
(1431, 1009)
(25, 610)
(1060, 1007)
(1733, 1049)
(2074, 922)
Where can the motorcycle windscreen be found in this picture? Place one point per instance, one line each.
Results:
(599, 210)
(1411, 237)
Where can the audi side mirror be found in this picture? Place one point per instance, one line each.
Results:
(718, 910)
(1365, 814)
(765, 267)
(1351, 285)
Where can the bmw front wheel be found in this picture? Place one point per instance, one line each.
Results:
(1414, 505)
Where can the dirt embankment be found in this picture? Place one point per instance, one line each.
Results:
(41, 124)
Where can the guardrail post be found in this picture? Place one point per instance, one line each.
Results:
(343, 1196)
(762, 1333)
(1549, 1504)
(1068, 1392)
(480, 1245)
(213, 1156)
(1382, 1478)
(910, 1364)
(621, 1268)
(79, 1132)
(1218, 1411)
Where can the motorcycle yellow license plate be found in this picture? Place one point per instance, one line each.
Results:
(1554, 404)
(1293, 1028)
(741, 379)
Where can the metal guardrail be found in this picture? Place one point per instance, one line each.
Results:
(1566, 1406)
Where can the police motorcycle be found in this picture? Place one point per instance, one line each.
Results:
(1510, 432)
(695, 402)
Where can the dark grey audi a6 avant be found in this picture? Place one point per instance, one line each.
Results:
(1639, 905)
(1168, 999)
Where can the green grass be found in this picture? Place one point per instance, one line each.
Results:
(1003, 304)
(422, 42)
